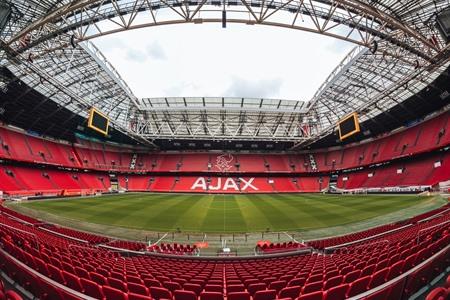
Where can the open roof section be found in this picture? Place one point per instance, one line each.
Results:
(220, 119)
(40, 41)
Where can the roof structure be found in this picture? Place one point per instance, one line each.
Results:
(221, 119)
(398, 51)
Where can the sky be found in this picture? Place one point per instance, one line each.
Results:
(210, 61)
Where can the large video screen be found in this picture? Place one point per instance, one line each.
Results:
(348, 126)
(98, 121)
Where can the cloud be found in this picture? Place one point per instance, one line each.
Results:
(263, 88)
(136, 55)
(184, 88)
(207, 61)
(155, 51)
(107, 44)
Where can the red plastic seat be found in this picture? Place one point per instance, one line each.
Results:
(12, 295)
(311, 296)
(235, 288)
(114, 294)
(103, 272)
(98, 278)
(352, 276)
(172, 286)
(277, 285)
(91, 288)
(82, 273)
(265, 295)
(315, 278)
(68, 267)
(254, 287)
(55, 274)
(117, 284)
(247, 282)
(134, 279)
(211, 296)
(297, 281)
(409, 263)
(312, 287)
(358, 286)
(238, 296)
(200, 282)
(48, 291)
(367, 270)
(290, 292)
(136, 288)
(437, 294)
(3, 296)
(133, 296)
(151, 282)
(332, 282)
(72, 281)
(336, 293)
(381, 265)
(160, 293)
(378, 278)
(41, 266)
(214, 288)
(184, 295)
(346, 270)
(331, 274)
(196, 288)
(395, 270)
(181, 281)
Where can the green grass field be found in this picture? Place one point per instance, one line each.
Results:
(225, 213)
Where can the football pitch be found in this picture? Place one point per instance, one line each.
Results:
(225, 213)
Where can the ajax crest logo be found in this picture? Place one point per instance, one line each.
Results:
(223, 162)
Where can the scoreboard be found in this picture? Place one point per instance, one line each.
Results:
(98, 121)
(348, 126)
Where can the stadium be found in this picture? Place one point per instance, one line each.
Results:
(107, 194)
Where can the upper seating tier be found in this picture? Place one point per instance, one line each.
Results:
(423, 137)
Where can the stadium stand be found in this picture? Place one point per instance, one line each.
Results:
(266, 248)
(129, 245)
(376, 231)
(176, 249)
(426, 171)
(82, 236)
(25, 181)
(420, 138)
(398, 167)
(54, 262)
(55, 266)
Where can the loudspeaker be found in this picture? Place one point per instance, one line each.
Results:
(443, 24)
(5, 14)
